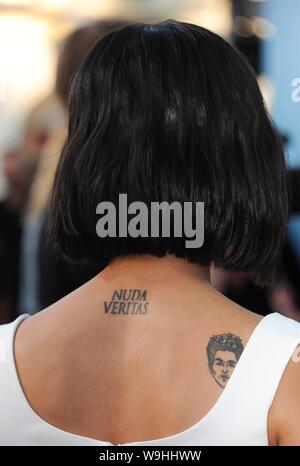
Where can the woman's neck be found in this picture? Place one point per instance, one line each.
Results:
(151, 268)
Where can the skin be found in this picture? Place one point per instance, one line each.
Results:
(93, 373)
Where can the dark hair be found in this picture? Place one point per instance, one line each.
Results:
(172, 112)
(224, 342)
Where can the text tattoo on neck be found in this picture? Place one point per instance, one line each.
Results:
(127, 301)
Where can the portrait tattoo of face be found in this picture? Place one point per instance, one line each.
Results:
(223, 352)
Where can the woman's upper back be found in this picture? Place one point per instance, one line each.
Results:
(162, 374)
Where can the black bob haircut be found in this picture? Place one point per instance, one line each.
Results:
(172, 112)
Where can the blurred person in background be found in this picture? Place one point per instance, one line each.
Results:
(45, 119)
(18, 171)
(283, 299)
(20, 165)
(45, 275)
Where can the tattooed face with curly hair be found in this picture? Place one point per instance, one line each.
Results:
(223, 352)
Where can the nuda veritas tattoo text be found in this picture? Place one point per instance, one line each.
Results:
(127, 301)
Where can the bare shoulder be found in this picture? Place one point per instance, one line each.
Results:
(40, 343)
(51, 323)
(38, 339)
(284, 415)
(32, 331)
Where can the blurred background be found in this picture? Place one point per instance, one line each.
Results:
(42, 43)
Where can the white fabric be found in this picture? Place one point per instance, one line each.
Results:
(239, 417)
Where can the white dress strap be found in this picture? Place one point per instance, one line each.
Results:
(254, 382)
(7, 333)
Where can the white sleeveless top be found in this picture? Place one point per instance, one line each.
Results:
(239, 417)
